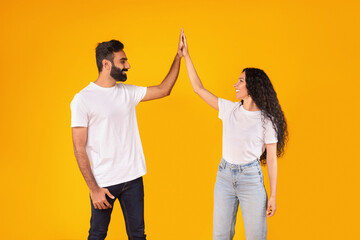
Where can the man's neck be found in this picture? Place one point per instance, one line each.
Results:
(105, 81)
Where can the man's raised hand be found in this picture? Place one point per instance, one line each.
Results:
(181, 45)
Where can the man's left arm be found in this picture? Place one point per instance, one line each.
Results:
(165, 87)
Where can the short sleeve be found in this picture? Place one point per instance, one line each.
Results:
(270, 133)
(225, 107)
(79, 113)
(137, 93)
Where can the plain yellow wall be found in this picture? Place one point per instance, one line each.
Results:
(310, 50)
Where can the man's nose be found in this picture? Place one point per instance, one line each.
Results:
(128, 66)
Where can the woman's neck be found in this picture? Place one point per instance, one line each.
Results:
(249, 104)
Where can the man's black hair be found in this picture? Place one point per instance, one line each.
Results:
(105, 50)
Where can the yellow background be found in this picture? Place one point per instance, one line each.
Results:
(310, 50)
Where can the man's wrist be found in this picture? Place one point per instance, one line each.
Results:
(93, 188)
(178, 57)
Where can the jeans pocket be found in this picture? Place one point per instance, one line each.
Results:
(251, 171)
(221, 167)
(261, 174)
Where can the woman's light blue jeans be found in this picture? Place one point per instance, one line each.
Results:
(240, 183)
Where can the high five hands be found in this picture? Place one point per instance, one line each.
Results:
(183, 48)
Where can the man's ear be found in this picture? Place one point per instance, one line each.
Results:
(106, 64)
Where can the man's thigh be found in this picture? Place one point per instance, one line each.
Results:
(132, 204)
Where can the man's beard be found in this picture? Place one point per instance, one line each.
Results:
(117, 74)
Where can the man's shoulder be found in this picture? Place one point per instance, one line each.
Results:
(126, 86)
(83, 95)
(130, 88)
(86, 91)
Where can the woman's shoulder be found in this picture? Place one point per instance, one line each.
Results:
(228, 102)
(226, 107)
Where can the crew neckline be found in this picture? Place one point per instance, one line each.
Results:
(104, 88)
(250, 113)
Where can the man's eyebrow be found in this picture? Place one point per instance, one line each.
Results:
(123, 59)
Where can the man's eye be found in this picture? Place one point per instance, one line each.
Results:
(122, 62)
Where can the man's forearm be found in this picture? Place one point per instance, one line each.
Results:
(84, 165)
(168, 83)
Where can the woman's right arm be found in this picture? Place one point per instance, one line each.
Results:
(207, 96)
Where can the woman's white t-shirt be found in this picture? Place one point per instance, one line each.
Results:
(244, 133)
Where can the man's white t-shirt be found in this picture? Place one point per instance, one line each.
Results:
(244, 134)
(113, 140)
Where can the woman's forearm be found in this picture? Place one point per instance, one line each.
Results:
(272, 171)
(194, 78)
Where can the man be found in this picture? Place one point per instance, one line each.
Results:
(105, 133)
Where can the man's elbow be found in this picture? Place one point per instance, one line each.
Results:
(165, 92)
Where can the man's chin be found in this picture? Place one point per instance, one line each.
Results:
(122, 79)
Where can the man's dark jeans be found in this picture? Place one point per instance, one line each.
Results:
(131, 198)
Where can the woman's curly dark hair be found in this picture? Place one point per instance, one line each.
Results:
(262, 92)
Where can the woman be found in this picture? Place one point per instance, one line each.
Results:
(254, 131)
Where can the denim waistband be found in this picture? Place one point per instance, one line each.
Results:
(226, 164)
